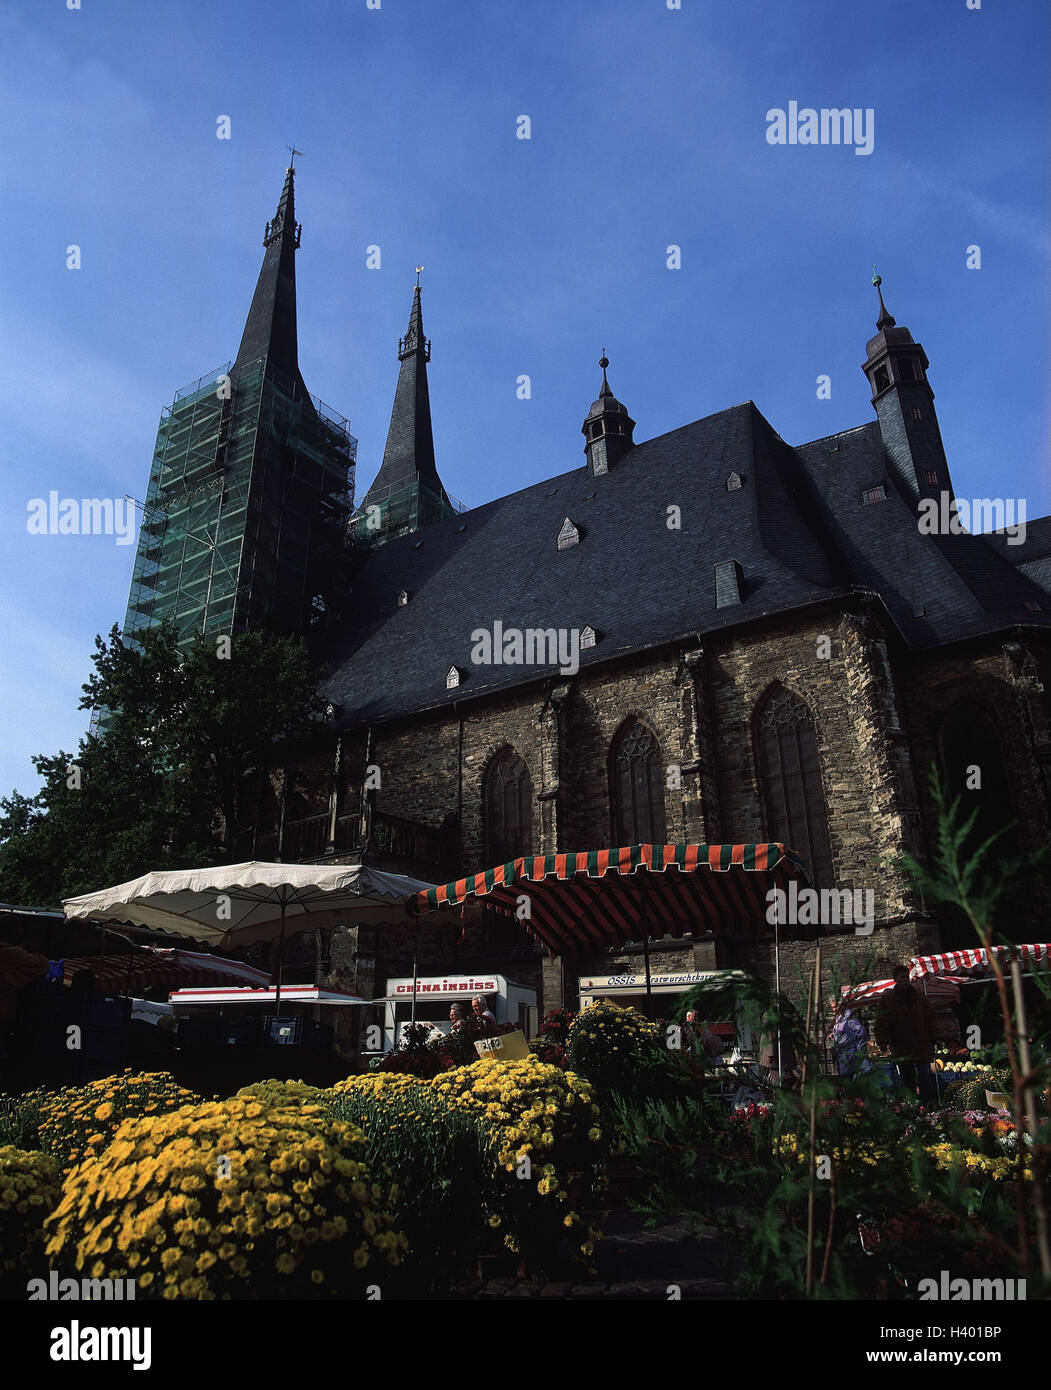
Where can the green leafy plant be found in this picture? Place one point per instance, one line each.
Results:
(439, 1160)
(20, 1121)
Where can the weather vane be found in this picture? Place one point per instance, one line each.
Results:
(877, 279)
(294, 153)
(419, 268)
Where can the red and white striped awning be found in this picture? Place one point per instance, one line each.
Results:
(597, 898)
(146, 967)
(935, 987)
(975, 965)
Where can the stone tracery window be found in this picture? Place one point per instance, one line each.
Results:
(790, 777)
(508, 803)
(637, 786)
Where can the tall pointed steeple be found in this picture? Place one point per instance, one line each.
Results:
(407, 489)
(271, 326)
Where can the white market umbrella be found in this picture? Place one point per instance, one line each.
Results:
(236, 904)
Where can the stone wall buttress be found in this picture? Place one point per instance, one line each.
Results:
(883, 749)
(701, 812)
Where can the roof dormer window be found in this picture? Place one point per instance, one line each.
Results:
(588, 637)
(453, 677)
(403, 598)
(568, 535)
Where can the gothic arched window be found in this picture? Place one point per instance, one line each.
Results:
(790, 776)
(637, 786)
(508, 808)
(973, 763)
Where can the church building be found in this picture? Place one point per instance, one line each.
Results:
(711, 636)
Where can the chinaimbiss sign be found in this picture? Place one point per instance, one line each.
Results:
(448, 984)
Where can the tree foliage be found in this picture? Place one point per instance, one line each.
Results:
(167, 779)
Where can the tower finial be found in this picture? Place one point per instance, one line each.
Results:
(419, 271)
(292, 165)
(884, 320)
(604, 363)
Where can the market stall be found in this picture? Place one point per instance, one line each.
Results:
(596, 899)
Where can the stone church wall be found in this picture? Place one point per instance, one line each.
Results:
(877, 720)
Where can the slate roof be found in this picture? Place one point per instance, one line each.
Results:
(961, 581)
(1033, 555)
(797, 529)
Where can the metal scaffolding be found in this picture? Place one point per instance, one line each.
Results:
(250, 493)
(396, 511)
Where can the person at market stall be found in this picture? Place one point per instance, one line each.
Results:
(482, 1012)
(457, 1016)
(697, 1036)
(849, 1036)
(905, 1027)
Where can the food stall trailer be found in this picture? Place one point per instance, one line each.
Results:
(433, 994)
(241, 1029)
(628, 989)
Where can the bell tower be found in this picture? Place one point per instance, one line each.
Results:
(896, 368)
(608, 428)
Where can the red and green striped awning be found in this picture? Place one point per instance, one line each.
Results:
(602, 897)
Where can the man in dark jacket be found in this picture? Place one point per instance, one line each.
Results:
(905, 1026)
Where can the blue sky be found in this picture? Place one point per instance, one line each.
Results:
(648, 129)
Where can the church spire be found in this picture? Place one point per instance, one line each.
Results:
(270, 330)
(408, 473)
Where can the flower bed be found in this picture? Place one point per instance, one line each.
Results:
(228, 1200)
(438, 1156)
(30, 1188)
(538, 1113)
(281, 1094)
(613, 1047)
(78, 1122)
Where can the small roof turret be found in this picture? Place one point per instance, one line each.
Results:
(608, 428)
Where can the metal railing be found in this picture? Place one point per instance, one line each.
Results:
(307, 838)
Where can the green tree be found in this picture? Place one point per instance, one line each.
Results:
(161, 785)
